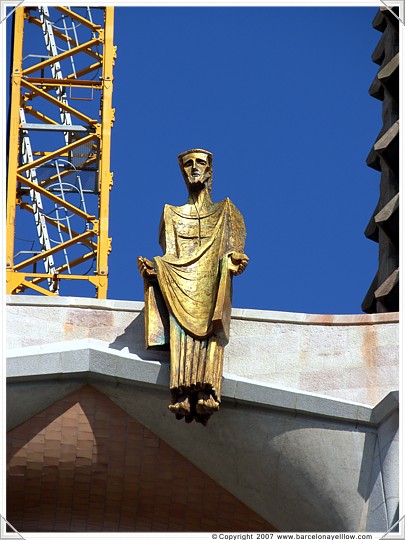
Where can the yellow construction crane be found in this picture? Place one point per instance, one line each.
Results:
(59, 176)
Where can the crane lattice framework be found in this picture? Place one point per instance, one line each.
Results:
(59, 176)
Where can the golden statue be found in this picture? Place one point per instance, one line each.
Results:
(188, 290)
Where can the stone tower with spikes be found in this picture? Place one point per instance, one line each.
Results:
(383, 294)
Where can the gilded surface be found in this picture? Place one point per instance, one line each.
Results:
(188, 290)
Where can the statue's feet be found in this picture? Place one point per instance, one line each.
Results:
(181, 407)
(206, 404)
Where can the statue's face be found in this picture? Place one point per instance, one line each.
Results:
(196, 168)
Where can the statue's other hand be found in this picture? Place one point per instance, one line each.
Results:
(237, 262)
(146, 268)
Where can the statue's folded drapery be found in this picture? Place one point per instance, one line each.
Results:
(195, 282)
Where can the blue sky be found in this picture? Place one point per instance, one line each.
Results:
(280, 96)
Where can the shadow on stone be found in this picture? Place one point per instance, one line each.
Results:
(28, 398)
(133, 339)
(369, 472)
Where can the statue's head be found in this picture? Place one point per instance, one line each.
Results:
(196, 167)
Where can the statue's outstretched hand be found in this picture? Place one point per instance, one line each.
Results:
(237, 262)
(146, 268)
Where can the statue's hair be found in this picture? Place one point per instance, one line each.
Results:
(201, 151)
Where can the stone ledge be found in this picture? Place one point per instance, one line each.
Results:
(74, 301)
(315, 319)
(237, 313)
(385, 408)
(92, 357)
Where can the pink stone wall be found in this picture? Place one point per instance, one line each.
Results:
(352, 357)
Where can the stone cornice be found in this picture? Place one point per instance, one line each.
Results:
(237, 313)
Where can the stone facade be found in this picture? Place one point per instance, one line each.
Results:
(84, 465)
(353, 357)
(306, 436)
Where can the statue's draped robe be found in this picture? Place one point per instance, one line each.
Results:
(195, 281)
